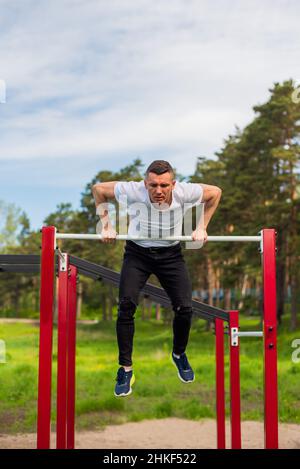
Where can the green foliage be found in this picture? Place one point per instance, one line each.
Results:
(14, 226)
(258, 171)
(157, 392)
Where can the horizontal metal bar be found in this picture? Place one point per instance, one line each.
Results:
(251, 334)
(96, 237)
(120, 237)
(244, 239)
(235, 334)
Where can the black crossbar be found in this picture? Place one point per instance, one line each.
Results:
(19, 259)
(20, 268)
(30, 263)
(157, 294)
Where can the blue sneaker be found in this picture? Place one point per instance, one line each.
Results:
(185, 372)
(125, 380)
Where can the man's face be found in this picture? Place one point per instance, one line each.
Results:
(160, 187)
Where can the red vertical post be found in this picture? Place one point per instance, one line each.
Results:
(235, 394)
(72, 303)
(220, 384)
(45, 338)
(62, 357)
(270, 338)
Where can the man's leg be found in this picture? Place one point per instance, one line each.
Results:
(174, 278)
(134, 274)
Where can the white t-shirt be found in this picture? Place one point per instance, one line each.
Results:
(147, 221)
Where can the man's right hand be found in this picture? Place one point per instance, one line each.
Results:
(108, 236)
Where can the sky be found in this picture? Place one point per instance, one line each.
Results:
(91, 85)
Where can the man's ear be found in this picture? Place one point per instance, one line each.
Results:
(145, 182)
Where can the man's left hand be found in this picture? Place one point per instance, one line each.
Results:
(200, 235)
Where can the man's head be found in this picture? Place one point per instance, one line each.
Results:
(159, 181)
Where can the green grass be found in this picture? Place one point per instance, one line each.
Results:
(158, 393)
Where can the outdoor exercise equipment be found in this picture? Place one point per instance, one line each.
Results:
(69, 266)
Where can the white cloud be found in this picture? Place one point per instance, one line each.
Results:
(117, 131)
(87, 78)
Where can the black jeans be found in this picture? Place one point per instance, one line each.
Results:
(168, 264)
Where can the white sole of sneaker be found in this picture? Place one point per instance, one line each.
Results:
(123, 393)
(182, 380)
(130, 390)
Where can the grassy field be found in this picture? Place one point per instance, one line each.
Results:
(158, 393)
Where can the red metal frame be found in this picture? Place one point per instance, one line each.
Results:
(62, 356)
(235, 394)
(45, 339)
(220, 384)
(71, 358)
(67, 351)
(270, 338)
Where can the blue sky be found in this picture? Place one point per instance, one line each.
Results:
(92, 85)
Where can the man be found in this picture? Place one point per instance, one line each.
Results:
(161, 195)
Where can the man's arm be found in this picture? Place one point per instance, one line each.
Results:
(102, 192)
(211, 198)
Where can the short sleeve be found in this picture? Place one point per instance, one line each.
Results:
(192, 193)
(129, 189)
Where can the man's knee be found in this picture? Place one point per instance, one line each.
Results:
(126, 309)
(183, 311)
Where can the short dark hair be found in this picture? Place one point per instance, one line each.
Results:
(159, 167)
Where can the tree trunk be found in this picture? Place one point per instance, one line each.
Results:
(110, 303)
(157, 312)
(282, 272)
(227, 299)
(35, 298)
(210, 281)
(149, 309)
(280, 285)
(104, 309)
(143, 308)
(218, 288)
(294, 245)
(79, 299)
(258, 295)
(243, 292)
(16, 296)
(294, 298)
(207, 290)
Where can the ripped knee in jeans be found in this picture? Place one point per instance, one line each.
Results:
(126, 308)
(183, 311)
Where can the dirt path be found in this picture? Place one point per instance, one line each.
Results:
(165, 433)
